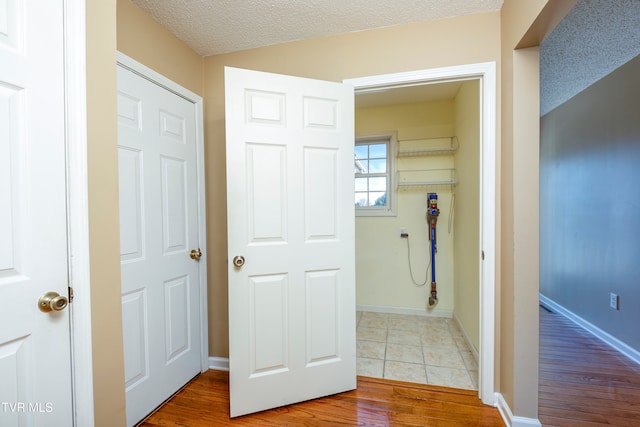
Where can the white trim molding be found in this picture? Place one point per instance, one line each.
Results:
(509, 419)
(219, 363)
(78, 211)
(436, 312)
(392, 191)
(472, 347)
(485, 73)
(609, 339)
(157, 78)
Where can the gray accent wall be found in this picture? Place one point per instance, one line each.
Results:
(590, 203)
(590, 165)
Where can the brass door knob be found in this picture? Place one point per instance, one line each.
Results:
(52, 301)
(238, 261)
(195, 254)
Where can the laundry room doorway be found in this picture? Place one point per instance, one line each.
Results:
(437, 128)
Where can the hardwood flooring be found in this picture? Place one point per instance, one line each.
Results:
(375, 403)
(583, 381)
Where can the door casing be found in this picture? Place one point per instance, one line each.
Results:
(485, 73)
(78, 211)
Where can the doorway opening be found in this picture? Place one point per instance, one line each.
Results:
(452, 109)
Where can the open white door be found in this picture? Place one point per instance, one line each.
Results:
(157, 164)
(291, 239)
(35, 352)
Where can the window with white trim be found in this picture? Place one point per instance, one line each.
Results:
(373, 166)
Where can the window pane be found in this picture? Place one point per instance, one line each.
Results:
(362, 151)
(378, 151)
(377, 199)
(361, 199)
(378, 184)
(378, 166)
(361, 184)
(371, 159)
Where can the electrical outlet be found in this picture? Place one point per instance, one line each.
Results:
(614, 301)
(403, 232)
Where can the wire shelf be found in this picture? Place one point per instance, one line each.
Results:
(427, 146)
(426, 178)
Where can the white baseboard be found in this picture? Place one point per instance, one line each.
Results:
(219, 363)
(222, 363)
(473, 349)
(614, 342)
(509, 419)
(433, 312)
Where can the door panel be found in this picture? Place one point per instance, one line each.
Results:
(174, 204)
(321, 193)
(269, 324)
(135, 337)
(131, 218)
(290, 215)
(159, 227)
(178, 325)
(35, 355)
(266, 198)
(322, 321)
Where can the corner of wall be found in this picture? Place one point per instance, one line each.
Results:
(519, 236)
(509, 419)
(148, 42)
(104, 243)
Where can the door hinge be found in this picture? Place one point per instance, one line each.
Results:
(70, 294)
(483, 255)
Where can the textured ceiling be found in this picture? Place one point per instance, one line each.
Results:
(212, 27)
(594, 39)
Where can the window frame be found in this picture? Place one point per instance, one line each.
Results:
(388, 138)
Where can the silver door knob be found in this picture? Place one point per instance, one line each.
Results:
(52, 301)
(238, 261)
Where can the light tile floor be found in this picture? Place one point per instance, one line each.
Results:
(427, 350)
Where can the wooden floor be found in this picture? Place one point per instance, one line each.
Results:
(584, 382)
(376, 402)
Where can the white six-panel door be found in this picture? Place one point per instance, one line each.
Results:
(158, 228)
(290, 216)
(35, 362)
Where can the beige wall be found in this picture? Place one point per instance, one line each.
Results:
(523, 25)
(466, 244)
(146, 41)
(104, 232)
(382, 270)
(516, 18)
(463, 40)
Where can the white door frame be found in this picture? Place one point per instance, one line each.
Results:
(78, 211)
(485, 73)
(157, 78)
